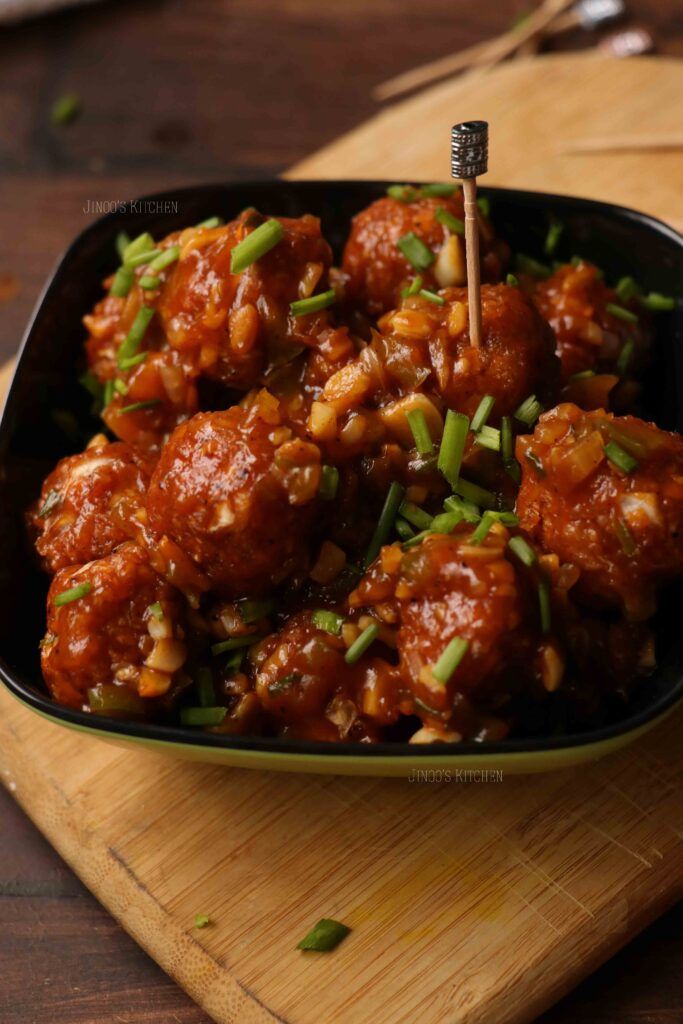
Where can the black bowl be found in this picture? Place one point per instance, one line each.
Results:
(46, 416)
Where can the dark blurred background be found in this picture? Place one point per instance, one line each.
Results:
(174, 92)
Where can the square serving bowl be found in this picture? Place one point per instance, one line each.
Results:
(46, 416)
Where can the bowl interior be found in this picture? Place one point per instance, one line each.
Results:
(47, 413)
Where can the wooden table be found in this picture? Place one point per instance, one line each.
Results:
(235, 90)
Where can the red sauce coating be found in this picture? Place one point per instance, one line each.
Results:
(623, 531)
(104, 637)
(90, 503)
(377, 270)
(236, 490)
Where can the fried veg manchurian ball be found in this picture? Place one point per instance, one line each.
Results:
(237, 491)
(606, 494)
(375, 267)
(90, 503)
(574, 300)
(122, 628)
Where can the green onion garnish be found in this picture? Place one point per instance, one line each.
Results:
(621, 314)
(108, 393)
(149, 282)
(234, 643)
(65, 109)
(385, 522)
(404, 193)
(523, 550)
(453, 445)
(313, 304)
(506, 518)
(450, 659)
(413, 288)
(415, 251)
(52, 500)
(120, 386)
(131, 343)
(432, 297)
(621, 459)
(474, 493)
(624, 358)
(657, 303)
(211, 222)
(483, 412)
(143, 258)
(156, 610)
(413, 541)
(257, 244)
(582, 375)
(254, 611)
(404, 530)
(206, 693)
(484, 205)
(467, 510)
(329, 483)
(139, 406)
(529, 411)
(535, 461)
(165, 258)
(123, 282)
(415, 515)
(128, 364)
(446, 522)
(625, 538)
(544, 606)
(72, 594)
(488, 437)
(420, 431)
(513, 470)
(438, 190)
(329, 622)
(201, 920)
(454, 224)
(326, 936)
(481, 531)
(202, 716)
(532, 267)
(511, 281)
(143, 243)
(122, 241)
(552, 238)
(361, 644)
(506, 439)
(626, 289)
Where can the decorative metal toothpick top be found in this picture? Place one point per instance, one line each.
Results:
(469, 159)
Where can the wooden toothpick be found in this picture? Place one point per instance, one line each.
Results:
(469, 159)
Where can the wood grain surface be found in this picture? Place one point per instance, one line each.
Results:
(151, 76)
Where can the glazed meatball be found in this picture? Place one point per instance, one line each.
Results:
(574, 301)
(121, 628)
(237, 492)
(90, 503)
(606, 494)
(375, 268)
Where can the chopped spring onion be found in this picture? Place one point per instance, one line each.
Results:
(626, 289)
(415, 251)
(450, 659)
(624, 358)
(329, 483)
(506, 439)
(52, 500)
(143, 243)
(131, 343)
(415, 515)
(535, 461)
(313, 304)
(325, 937)
(122, 241)
(544, 605)
(385, 522)
(484, 205)
(234, 643)
(481, 531)
(202, 716)
(206, 692)
(431, 297)
(261, 240)
(621, 459)
(657, 303)
(420, 431)
(511, 281)
(446, 522)
(108, 392)
(412, 542)
(413, 288)
(254, 611)
(128, 364)
(361, 644)
(528, 265)
(151, 403)
(529, 411)
(143, 258)
(120, 386)
(582, 375)
(123, 282)
(438, 190)
(483, 412)
(467, 510)
(513, 469)
(66, 109)
(552, 238)
(488, 437)
(404, 530)
(474, 493)
(72, 594)
(165, 258)
(453, 445)
(211, 222)
(201, 920)
(625, 538)
(149, 282)
(454, 224)
(524, 551)
(404, 193)
(506, 518)
(329, 622)
(156, 610)
(621, 313)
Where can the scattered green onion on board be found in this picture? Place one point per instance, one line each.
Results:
(523, 550)
(452, 445)
(328, 621)
(454, 224)
(261, 240)
(450, 659)
(420, 431)
(415, 251)
(361, 644)
(302, 307)
(202, 716)
(529, 411)
(201, 920)
(324, 937)
(72, 594)
(621, 313)
(385, 523)
(66, 109)
(619, 458)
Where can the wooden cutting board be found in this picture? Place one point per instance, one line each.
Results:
(469, 902)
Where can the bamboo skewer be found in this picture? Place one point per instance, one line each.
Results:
(469, 158)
